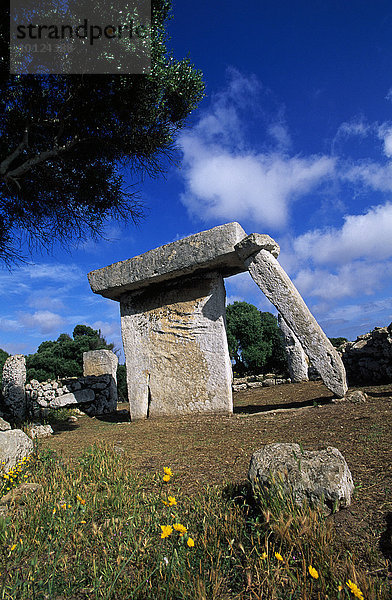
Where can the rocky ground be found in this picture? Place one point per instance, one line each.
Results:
(217, 449)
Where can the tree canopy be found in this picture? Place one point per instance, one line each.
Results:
(64, 357)
(68, 143)
(254, 339)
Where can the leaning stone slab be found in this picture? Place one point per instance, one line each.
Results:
(211, 250)
(13, 386)
(78, 397)
(297, 360)
(279, 289)
(14, 445)
(319, 476)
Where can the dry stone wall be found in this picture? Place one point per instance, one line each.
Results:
(93, 394)
(368, 360)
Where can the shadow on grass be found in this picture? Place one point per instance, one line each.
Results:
(386, 538)
(379, 394)
(119, 416)
(260, 408)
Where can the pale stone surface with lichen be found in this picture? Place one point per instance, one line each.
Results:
(211, 250)
(297, 361)
(13, 387)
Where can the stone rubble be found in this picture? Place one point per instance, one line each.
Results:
(258, 381)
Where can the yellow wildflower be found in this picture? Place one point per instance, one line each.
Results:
(355, 589)
(180, 528)
(166, 478)
(171, 501)
(53, 511)
(340, 587)
(84, 522)
(264, 555)
(312, 572)
(13, 547)
(81, 500)
(168, 471)
(190, 542)
(166, 531)
(278, 556)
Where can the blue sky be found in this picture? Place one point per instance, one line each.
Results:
(293, 139)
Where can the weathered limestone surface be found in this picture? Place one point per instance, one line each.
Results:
(296, 358)
(279, 289)
(211, 250)
(77, 397)
(103, 362)
(14, 445)
(316, 476)
(176, 348)
(100, 362)
(13, 384)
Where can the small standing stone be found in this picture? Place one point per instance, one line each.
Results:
(13, 384)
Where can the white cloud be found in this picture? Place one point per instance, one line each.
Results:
(43, 321)
(256, 187)
(227, 180)
(366, 236)
(356, 278)
(58, 272)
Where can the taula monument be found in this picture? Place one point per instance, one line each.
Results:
(173, 320)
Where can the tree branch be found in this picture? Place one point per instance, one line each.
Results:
(39, 158)
(7, 161)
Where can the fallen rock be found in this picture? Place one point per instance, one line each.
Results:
(40, 431)
(356, 397)
(268, 382)
(4, 426)
(239, 387)
(14, 445)
(320, 476)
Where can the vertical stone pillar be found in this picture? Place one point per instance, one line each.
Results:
(298, 362)
(103, 362)
(13, 387)
(175, 347)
